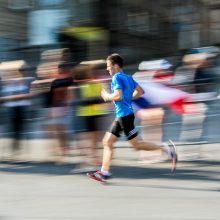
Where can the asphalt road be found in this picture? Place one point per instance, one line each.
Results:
(39, 190)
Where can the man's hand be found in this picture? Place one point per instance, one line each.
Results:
(105, 95)
(116, 96)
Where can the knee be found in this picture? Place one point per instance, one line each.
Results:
(107, 143)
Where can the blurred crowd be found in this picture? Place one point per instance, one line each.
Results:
(63, 99)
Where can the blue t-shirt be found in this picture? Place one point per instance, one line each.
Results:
(127, 84)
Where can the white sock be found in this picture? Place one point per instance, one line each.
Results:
(106, 173)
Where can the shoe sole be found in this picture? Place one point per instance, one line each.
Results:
(174, 161)
(91, 176)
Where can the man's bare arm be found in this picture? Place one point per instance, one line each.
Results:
(138, 92)
(116, 96)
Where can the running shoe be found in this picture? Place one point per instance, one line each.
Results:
(98, 176)
(173, 155)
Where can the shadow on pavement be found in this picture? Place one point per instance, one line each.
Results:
(194, 170)
(44, 168)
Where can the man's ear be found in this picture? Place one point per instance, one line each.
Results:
(116, 65)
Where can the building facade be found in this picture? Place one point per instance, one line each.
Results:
(141, 29)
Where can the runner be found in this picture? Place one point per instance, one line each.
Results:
(124, 90)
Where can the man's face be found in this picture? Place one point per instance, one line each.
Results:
(111, 68)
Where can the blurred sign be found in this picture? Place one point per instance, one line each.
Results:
(86, 33)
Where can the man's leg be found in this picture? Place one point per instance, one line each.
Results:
(127, 123)
(103, 174)
(139, 144)
(169, 149)
(108, 141)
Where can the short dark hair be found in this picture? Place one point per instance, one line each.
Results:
(65, 67)
(116, 59)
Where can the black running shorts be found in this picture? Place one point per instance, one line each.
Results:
(125, 124)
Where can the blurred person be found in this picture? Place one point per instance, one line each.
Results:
(204, 79)
(182, 80)
(186, 76)
(47, 72)
(147, 109)
(158, 105)
(185, 73)
(124, 90)
(59, 100)
(196, 75)
(152, 109)
(91, 112)
(48, 66)
(16, 99)
(205, 83)
(150, 116)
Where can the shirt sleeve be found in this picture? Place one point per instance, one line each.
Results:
(116, 83)
(135, 83)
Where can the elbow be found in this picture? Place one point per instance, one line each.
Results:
(140, 93)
